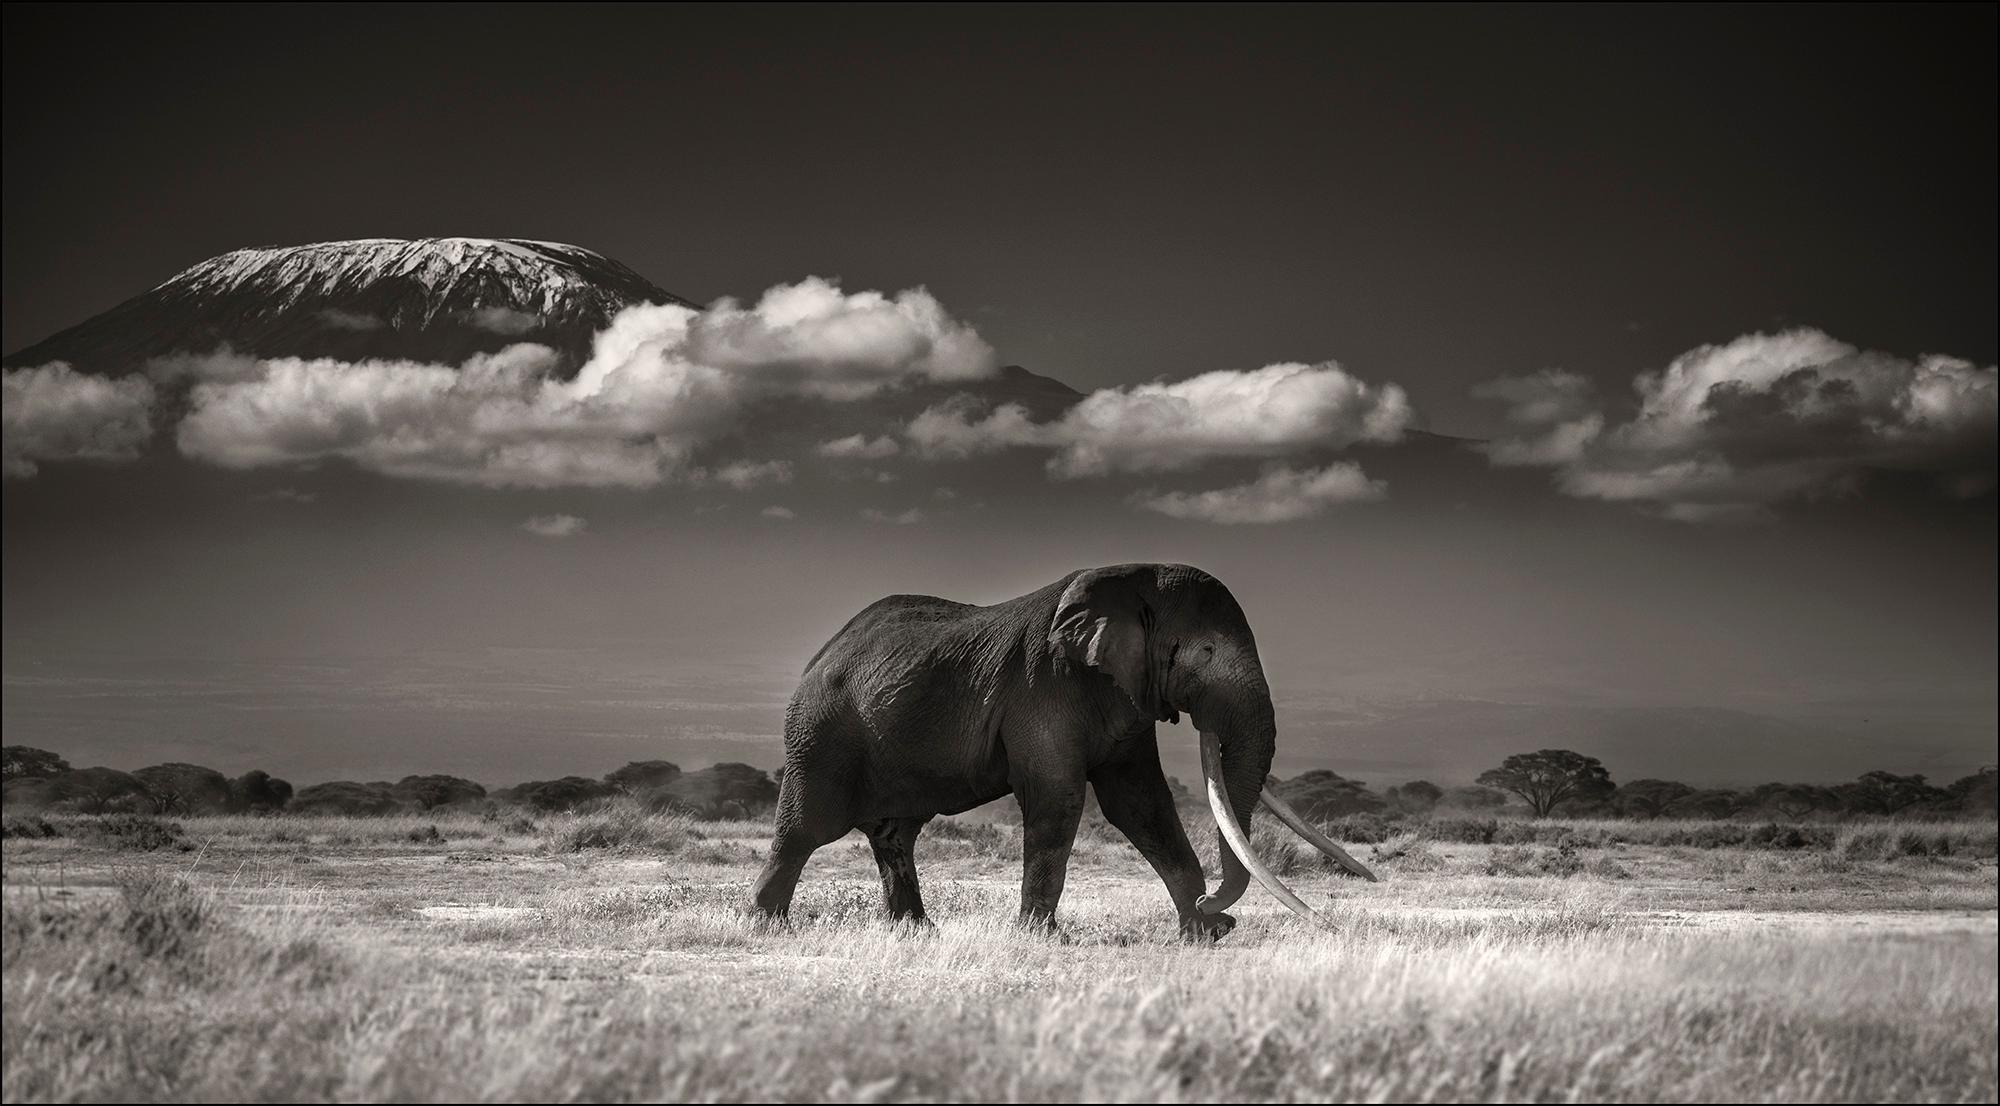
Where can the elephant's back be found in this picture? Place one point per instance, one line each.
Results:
(892, 624)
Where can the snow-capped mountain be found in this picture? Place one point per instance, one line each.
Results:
(427, 299)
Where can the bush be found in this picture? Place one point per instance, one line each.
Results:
(643, 775)
(431, 792)
(624, 826)
(27, 826)
(259, 790)
(1463, 831)
(568, 793)
(345, 797)
(83, 790)
(720, 791)
(1526, 860)
(139, 832)
(1359, 829)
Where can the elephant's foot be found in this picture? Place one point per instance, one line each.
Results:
(1044, 925)
(764, 921)
(912, 925)
(1205, 927)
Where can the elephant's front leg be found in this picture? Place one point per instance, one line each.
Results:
(1050, 811)
(1137, 800)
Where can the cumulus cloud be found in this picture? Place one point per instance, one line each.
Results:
(1281, 494)
(902, 518)
(555, 526)
(813, 337)
(779, 512)
(54, 413)
(1275, 411)
(1726, 431)
(860, 445)
(662, 382)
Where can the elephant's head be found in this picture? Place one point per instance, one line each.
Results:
(1173, 639)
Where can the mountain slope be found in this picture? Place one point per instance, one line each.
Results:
(428, 299)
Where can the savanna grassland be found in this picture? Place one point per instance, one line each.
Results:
(604, 956)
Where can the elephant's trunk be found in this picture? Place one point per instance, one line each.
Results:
(1239, 733)
(1237, 744)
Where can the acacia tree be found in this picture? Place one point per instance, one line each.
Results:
(1886, 792)
(1795, 800)
(25, 762)
(1550, 777)
(1417, 796)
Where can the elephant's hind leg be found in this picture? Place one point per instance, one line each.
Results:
(895, 843)
(806, 820)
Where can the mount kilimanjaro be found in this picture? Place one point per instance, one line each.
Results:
(428, 299)
(439, 301)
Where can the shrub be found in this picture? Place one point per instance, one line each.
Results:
(567, 793)
(259, 790)
(427, 835)
(1527, 860)
(622, 825)
(720, 791)
(1463, 831)
(84, 790)
(431, 792)
(345, 797)
(643, 775)
(1360, 829)
(27, 826)
(138, 832)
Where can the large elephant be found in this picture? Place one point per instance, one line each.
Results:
(921, 706)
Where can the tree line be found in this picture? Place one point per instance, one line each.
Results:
(1542, 784)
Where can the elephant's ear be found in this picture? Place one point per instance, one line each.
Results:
(1103, 621)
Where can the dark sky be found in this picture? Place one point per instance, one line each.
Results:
(1433, 196)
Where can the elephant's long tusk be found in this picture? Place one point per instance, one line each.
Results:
(1311, 833)
(1232, 831)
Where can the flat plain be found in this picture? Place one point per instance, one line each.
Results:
(605, 956)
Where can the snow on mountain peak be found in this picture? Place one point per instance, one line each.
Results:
(437, 299)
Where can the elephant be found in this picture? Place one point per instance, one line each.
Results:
(922, 706)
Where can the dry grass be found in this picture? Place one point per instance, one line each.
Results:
(585, 960)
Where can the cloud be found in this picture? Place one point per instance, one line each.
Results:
(779, 512)
(349, 320)
(904, 518)
(1539, 399)
(504, 321)
(1279, 410)
(555, 526)
(860, 445)
(284, 495)
(813, 338)
(1281, 494)
(54, 413)
(1725, 432)
(663, 382)
(745, 475)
